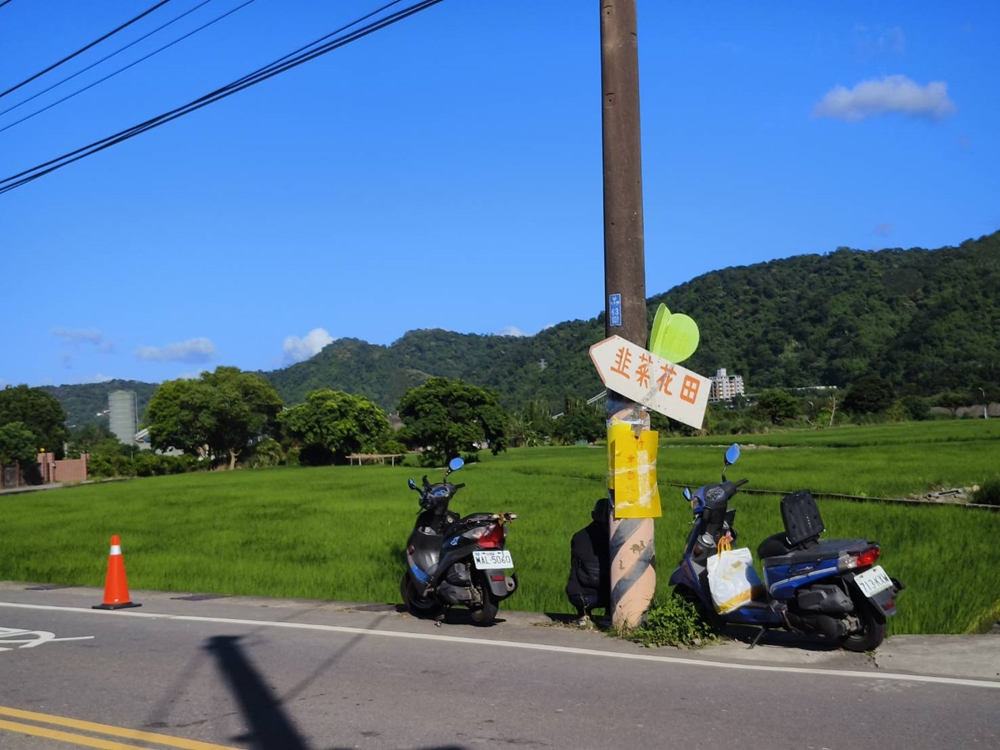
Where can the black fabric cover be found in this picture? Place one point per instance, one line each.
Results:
(803, 522)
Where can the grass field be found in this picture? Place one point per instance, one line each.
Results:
(337, 532)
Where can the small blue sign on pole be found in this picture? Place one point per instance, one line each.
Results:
(615, 309)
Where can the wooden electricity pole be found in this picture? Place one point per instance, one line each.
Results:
(633, 576)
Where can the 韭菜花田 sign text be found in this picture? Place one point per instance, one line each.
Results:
(652, 381)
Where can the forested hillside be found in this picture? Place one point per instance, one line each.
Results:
(926, 320)
(88, 404)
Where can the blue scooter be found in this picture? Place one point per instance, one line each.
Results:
(829, 587)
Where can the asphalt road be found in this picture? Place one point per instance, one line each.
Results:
(187, 671)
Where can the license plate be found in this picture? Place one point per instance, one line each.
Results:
(873, 581)
(492, 558)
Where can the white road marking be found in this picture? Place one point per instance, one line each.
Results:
(524, 646)
(11, 636)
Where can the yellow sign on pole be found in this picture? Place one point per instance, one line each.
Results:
(632, 471)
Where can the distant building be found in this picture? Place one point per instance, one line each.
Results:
(123, 407)
(725, 387)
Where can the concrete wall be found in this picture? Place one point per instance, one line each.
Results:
(67, 470)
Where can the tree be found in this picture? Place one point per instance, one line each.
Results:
(869, 395)
(83, 439)
(39, 412)
(952, 401)
(580, 421)
(916, 407)
(330, 425)
(218, 414)
(448, 418)
(531, 426)
(17, 445)
(778, 406)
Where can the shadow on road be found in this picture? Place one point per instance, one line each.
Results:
(270, 727)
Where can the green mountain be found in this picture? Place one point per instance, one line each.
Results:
(88, 404)
(926, 320)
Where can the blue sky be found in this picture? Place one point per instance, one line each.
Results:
(445, 172)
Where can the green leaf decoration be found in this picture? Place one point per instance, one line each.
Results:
(674, 336)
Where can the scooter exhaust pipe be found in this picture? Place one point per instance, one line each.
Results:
(822, 624)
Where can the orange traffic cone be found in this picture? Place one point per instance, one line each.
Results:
(115, 586)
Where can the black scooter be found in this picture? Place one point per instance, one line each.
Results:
(456, 561)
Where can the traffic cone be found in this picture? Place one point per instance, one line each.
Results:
(115, 586)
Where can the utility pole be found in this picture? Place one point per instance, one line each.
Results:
(633, 577)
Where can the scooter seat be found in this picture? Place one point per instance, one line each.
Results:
(775, 550)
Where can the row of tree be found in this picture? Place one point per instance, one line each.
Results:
(228, 416)
(229, 413)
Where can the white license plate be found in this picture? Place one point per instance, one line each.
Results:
(873, 581)
(492, 558)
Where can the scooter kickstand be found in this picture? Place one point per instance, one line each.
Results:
(756, 638)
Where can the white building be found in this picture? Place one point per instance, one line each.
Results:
(725, 387)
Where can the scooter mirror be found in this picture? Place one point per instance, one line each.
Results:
(456, 463)
(687, 494)
(732, 454)
(413, 485)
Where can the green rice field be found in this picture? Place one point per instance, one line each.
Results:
(336, 533)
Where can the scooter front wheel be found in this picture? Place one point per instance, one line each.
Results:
(419, 605)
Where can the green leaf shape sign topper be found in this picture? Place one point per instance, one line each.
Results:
(674, 336)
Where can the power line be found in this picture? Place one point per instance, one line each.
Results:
(120, 70)
(3, 2)
(281, 65)
(84, 49)
(107, 57)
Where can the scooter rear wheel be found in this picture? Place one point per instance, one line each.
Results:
(487, 613)
(418, 605)
(872, 631)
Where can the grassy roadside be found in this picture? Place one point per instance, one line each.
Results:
(336, 533)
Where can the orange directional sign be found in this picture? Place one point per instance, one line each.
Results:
(652, 381)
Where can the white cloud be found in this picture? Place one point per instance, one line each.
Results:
(297, 349)
(511, 331)
(78, 336)
(895, 93)
(101, 378)
(194, 350)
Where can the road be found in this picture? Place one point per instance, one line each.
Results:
(204, 673)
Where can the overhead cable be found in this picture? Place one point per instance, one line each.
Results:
(120, 70)
(84, 49)
(105, 58)
(281, 65)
